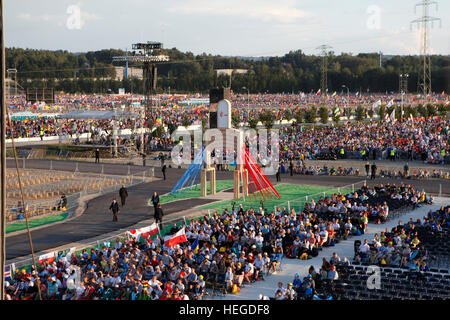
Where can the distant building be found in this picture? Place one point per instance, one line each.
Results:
(133, 72)
(228, 72)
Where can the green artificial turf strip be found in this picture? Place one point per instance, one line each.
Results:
(288, 192)
(34, 223)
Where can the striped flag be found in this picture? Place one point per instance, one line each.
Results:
(318, 92)
(150, 230)
(7, 273)
(173, 240)
(390, 103)
(194, 246)
(49, 257)
(144, 232)
(337, 111)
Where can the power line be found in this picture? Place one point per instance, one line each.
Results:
(210, 58)
(424, 79)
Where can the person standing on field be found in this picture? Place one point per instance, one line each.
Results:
(123, 192)
(114, 207)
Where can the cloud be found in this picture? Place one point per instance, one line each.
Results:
(282, 11)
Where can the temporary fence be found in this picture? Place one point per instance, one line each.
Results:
(110, 241)
(101, 185)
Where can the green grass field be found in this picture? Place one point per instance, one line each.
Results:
(288, 192)
(195, 192)
(34, 223)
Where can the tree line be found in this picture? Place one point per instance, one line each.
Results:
(93, 72)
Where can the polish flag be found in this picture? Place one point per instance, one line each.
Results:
(150, 230)
(318, 92)
(179, 237)
(49, 257)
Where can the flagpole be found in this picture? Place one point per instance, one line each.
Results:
(3, 112)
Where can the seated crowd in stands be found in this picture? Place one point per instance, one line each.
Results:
(226, 250)
(400, 247)
(310, 286)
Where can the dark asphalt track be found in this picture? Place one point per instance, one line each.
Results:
(97, 220)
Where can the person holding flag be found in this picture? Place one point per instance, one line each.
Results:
(337, 111)
(195, 246)
(173, 240)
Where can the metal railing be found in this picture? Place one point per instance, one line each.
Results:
(109, 241)
(48, 206)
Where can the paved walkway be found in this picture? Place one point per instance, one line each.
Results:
(344, 249)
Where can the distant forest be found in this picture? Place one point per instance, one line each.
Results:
(92, 72)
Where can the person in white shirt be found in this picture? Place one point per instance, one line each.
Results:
(364, 247)
(324, 236)
(332, 274)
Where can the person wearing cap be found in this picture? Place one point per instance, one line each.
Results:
(52, 288)
(297, 282)
(309, 286)
(290, 292)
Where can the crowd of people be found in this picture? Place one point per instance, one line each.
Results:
(408, 139)
(309, 287)
(225, 250)
(401, 246)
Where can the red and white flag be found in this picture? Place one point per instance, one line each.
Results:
(173, 240)
(144, 232)
(49, 257)
(150, 230)
(318, 92)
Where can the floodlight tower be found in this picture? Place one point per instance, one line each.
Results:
(148, 55)
(424, 79)
(403, 85)
(323, 80)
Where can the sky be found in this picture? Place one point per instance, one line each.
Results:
(228, 28)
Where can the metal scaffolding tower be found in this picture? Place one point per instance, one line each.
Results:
(324, 69)
(148, 55)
